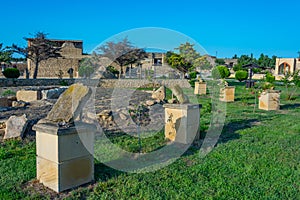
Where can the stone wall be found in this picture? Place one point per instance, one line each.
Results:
(50, 68)
(106, 83)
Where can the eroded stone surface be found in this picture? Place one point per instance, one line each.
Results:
(177, 91)
(15, 127)
(70, 104)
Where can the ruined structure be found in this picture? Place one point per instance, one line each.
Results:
(286, 65)
(71, 55)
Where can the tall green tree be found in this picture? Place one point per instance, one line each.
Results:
(191, 58)
(178, 62)
(122, 53)
(5, 54)
(40, 49)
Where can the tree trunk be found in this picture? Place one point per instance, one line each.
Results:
(121, 72)
(36, 69)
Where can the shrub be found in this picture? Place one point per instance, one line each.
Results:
(11, 73)
(8, 93)
(237, 68)
(270, 78)
(193, 75)
(241, 75)
(220, 72)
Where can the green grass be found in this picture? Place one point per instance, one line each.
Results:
(257, 157)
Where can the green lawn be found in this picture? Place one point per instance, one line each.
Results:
(257, 157)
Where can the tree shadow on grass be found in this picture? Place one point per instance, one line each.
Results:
(104, 173)
(290, 106)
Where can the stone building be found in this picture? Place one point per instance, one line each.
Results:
(285, 65)
(71, 55)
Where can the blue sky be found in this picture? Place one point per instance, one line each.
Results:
(224, 28)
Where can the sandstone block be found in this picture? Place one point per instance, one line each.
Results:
(227, 94)
(269, 100)
(200, 88)
(182, 122)
(28, 95)
(64, 155)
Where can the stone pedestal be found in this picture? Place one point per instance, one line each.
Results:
(200, 88)
(182, 122)
(269, 100)
(64, 155)
(227, 94)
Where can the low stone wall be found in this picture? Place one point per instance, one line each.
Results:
(105, 83)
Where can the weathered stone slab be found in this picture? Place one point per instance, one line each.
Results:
(28, 95)
(160, 93)
(177, 91)
(70, 104)
(227, 94)
(15, 127)
(269, 100)
(200, 88)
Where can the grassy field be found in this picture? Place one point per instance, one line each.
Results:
(257, 157)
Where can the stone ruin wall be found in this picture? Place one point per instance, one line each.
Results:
(50, 67)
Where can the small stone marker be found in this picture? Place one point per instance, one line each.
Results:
(15, 127)
(160, 93)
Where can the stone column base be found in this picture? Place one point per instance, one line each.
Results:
(64, 155)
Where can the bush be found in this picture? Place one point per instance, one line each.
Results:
(241, 75)
(193, 75)
(8, 93)
(11, 73)
(220, 72)
(237, 68)
(270, 78)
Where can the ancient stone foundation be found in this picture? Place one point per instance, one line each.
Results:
(182, 122)
(64, 155)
